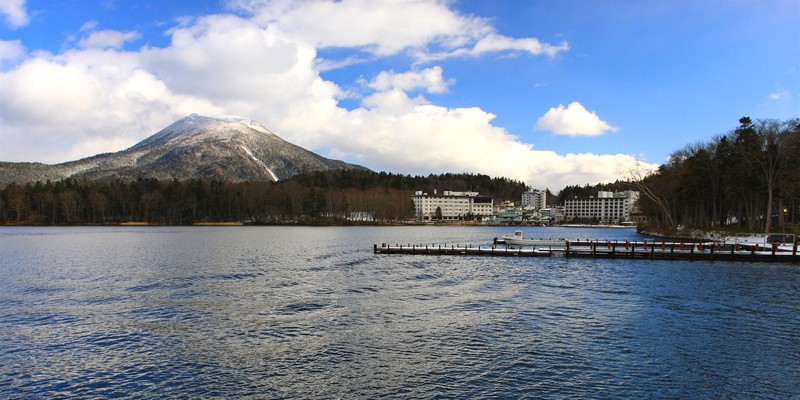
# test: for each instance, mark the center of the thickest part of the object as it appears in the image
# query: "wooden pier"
(650, 250)
(647, 250)
(453, 250)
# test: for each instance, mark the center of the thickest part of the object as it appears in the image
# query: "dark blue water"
(279, 312)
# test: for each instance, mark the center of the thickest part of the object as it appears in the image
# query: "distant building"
(534, 198)
(452, 206)
(552, 215)
(606, 208)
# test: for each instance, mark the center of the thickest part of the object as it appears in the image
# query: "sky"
(552, 93)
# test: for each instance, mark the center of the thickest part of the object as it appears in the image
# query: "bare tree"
(655, 193)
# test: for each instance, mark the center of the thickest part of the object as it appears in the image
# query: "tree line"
(338, 196)
(748, 179)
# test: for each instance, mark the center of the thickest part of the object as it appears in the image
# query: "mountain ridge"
(226, 148)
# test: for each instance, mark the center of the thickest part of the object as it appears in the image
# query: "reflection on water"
(280, 312)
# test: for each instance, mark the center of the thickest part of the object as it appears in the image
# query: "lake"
(311, 312)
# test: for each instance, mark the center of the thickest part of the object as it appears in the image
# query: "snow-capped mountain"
(226, 148)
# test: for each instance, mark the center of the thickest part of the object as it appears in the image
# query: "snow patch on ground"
(761, 239)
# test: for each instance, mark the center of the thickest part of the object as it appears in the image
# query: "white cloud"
(327, 65)
(495, 42)
(108, 39)
(10, 50)
(14, 13)
(381, 28)
(99, 98)
(387, 28)
(88, 26)
(59, 108)
(573, 120)
(407, 135)
(430, 79)
(779, 95)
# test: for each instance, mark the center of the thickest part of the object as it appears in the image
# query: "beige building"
(453, 206)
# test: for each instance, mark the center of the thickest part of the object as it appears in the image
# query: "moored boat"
(519, 240)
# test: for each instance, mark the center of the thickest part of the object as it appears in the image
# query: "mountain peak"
(202, 127)
(194, 117)
(223, 147)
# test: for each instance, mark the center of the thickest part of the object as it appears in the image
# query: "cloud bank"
(263, 63)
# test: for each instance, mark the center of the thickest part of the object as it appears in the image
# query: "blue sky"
(552, 93)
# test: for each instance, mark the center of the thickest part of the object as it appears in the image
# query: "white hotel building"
(453, 205)
(534, 198)
(607, 207)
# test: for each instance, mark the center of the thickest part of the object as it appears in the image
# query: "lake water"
(301, 312)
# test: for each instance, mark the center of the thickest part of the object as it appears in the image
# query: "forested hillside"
(338, 196)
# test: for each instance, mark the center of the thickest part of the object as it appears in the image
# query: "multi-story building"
(606, 208)
(534, 198)
(452, 206)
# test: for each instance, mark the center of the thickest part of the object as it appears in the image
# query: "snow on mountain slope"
(271, 173)
(199, 126)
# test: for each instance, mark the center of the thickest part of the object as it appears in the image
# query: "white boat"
(518, 240)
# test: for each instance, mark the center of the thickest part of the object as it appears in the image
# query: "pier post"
(566, 253)
(374, 249)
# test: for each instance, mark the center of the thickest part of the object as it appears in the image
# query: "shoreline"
(326, 223)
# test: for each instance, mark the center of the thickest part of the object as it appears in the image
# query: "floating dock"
(646, 250)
